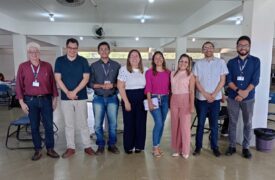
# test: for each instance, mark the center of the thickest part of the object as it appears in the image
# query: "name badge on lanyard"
(241, 77)
(35, 83)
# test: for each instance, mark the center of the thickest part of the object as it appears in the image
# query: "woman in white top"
(131, 83)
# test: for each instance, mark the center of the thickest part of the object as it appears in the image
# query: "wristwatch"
(237, 90)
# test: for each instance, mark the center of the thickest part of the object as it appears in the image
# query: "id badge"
(240, 78)
(107, 82)
(35, 84)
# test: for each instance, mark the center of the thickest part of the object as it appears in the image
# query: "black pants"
(134, 121)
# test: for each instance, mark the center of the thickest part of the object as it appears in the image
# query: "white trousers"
(75, 115)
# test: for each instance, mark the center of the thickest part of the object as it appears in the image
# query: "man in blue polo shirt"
(243, 77)
(72, 75)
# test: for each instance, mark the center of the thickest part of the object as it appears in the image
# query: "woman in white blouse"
(131, 83)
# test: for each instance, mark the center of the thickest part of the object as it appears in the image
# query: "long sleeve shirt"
(26, 77)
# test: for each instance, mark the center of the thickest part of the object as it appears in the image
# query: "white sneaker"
(185, 156)
(175, 154)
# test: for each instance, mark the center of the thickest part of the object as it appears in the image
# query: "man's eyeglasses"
(33, 52)
(72, 48)
(243, 46)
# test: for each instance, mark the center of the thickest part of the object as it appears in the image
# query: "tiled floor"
(16, 164)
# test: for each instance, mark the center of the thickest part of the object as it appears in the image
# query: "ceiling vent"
(71, 3)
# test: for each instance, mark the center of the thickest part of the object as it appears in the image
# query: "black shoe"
(230, 151)
(113, 149)
(100, 150)
(51, 153)
(247, 154)
(197, 152)
(37, 155)
(129, 151)
(138, 150)
(216, 152)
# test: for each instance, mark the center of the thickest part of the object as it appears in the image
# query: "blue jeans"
(101, 106)
(159, 116)
(41, 107)
(210, 110)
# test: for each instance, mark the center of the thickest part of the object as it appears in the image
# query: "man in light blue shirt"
(210, 75)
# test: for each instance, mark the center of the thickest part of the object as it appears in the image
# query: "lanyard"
(35, 73)
(106, 72)
(242, 67)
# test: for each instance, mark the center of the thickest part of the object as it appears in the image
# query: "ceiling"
(107, 11)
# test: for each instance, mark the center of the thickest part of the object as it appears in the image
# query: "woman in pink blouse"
(182, 105)
(157, 87)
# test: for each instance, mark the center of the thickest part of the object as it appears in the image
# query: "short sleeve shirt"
(72, 74)
(133, 80)
(209, 75)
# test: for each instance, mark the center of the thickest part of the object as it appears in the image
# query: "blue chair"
(271, 101)
(5, 94)
(23, 123)
(20, 123)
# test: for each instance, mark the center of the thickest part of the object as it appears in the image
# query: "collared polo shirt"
(209, 75)
(249, 69)
(72, 74)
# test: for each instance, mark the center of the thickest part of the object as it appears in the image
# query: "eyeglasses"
(72, 48)
(207, 48)
(243, 46)
(33, 52)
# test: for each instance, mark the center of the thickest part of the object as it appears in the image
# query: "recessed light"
(151, 1)
(142, 20)
(137, 38)
(81, 38)
(51, 17)
(193, 39)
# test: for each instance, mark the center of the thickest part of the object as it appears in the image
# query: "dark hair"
(140, 65)
(2, 77)
(103, 43)
(72, 40)
(244, 38)
(208, 42)
(188, 70)
(154, 66)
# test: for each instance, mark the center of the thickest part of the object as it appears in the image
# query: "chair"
(222, 115)
(271, 101)
(22, 123)
(5, 94)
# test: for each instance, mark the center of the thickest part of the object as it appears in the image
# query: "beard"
(243, 53)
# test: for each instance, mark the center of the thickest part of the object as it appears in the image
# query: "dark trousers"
(203, 107)
(134, 121)
(41, 107)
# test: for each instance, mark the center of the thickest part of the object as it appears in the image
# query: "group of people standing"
(156, 88)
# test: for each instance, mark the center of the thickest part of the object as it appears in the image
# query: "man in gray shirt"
(103, 79)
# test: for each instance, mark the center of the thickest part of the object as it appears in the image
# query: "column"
(19, 50)
(259, 25)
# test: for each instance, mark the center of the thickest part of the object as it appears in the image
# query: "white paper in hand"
(154, 101)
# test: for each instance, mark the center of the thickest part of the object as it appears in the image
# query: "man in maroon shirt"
(36, 90)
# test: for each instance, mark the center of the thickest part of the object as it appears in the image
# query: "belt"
(38, 96)
(106, 95)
